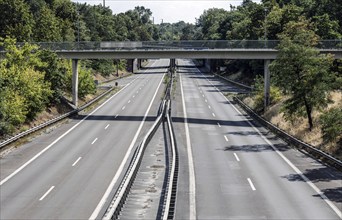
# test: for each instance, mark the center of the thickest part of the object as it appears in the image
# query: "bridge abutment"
(75, 82)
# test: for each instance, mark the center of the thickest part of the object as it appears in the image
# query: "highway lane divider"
(168, 209)
(309, 149)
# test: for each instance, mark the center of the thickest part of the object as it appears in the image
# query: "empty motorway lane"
(237, 170)
(71, 177)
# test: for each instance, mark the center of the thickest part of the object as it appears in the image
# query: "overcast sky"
(168, 10)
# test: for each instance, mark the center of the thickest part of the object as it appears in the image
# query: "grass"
(299, 127)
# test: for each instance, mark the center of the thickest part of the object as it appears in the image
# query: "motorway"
(230, 168)
(238, 170)
(72, 172)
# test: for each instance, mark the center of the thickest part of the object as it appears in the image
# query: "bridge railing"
(169, 45)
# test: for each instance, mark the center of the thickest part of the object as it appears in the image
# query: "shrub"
(331, 123)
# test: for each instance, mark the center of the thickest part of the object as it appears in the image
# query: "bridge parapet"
(171, 45)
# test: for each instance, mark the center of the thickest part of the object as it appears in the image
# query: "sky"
(170, 11)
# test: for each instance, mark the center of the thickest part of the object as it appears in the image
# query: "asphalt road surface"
(238, 170)
(71, 176)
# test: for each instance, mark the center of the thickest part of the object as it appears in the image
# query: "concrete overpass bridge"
(207, 50)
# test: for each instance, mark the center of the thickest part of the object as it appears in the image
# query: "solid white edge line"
(225, 137)
(51, 188)
(236, 156)
(59, 138)
(106, 127)
(251, 184)
(76, 161)
(94, 141)
(313, 186)
(192, 183)
(119, 171)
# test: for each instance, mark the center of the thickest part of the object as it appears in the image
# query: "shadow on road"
(243, 123)
(322, 174)
(255, 148)
(113, 118)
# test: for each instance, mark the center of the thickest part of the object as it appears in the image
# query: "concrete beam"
(267, 84)
(75, 82)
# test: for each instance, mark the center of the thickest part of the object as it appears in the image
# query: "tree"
(326, 28)
(55, 73)
(23, 90)
(210, 22)
(46, 26)
(331, 122)
(301, 71)
(16, 20)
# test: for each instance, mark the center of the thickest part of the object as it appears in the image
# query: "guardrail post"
(267, 84)
(75, 81)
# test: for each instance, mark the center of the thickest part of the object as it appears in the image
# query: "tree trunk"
(308, 112)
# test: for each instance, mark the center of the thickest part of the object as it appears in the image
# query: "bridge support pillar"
(75, 82)
(173, 63)
(139, 64)
(267, 84)
(132, 65)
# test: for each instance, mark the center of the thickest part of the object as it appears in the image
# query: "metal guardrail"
(122, 192)
(235, 83)
(324, 157)
(165, 45)
(52, 121)
(169, 207)
(124, 188)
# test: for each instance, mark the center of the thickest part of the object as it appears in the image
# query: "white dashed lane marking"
(251, 184)
(94, 141)
(51, 188)
(236, 156)
(76, 161)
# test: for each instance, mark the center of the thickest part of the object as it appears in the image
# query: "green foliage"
(301, 72)
(24, 92)
(275, 94)
(47, 26)
(86, 84)
(326, 28)
(331, 122)
(210, 22)
(16, 20)
(55, 73)
(105, 67)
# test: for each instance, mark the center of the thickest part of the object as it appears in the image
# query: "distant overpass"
(234, 49)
